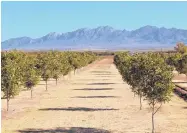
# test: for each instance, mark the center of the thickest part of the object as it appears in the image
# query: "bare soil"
(95, 100)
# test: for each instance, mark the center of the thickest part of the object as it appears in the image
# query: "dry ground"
(95, 100)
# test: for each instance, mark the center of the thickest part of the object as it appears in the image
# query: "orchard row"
(26, 69)
(150, 75)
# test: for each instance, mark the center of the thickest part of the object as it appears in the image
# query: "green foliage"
(145, 72)
(80, 59)
(25, 69)
(158, 80)
(182, 64)
(173, 60)
(55, 65)
(149, 76)
(12, 72)
(181, 48)
(30, 75)
(45, 66)
(65, 64)
(178, 60)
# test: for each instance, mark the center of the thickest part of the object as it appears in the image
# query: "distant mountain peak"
(105, 27)
(54, 34)
(149, 26)
(102, 37)
(82, 29)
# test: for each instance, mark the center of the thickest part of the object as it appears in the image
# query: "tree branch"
(157, 109)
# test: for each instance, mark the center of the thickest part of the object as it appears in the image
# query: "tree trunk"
(74, 71)
(140, 102)
(153, 123)
(56, 81)
(153, 119)
(31, 92)
(46, 85)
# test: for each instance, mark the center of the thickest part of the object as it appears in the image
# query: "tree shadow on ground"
(100, 71)
(45, 83)
(101, 83)
(4, 97)
(97, 89)
(48, 80)
(77, 109)
(90, 79)
(78, 83)
(184, 107)
(64, 130)
(104, 74)
(96, 97)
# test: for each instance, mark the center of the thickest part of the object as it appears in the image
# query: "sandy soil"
(95, 100)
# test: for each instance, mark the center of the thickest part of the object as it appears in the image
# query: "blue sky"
(35, 19)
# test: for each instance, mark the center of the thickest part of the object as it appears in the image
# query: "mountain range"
(103, 37)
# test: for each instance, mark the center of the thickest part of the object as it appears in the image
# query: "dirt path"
(93, 101)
